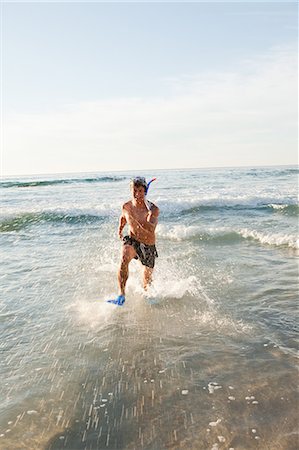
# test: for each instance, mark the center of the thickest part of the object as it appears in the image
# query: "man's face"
(138, 193)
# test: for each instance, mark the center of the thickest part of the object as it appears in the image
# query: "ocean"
(207, 359)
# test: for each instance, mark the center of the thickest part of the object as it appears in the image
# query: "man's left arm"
(152, 217)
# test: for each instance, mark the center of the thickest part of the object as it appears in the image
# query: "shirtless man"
(142, 218)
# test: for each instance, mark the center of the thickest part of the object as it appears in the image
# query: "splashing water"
(199, 360)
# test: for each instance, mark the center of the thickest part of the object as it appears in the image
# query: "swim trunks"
(145, 253)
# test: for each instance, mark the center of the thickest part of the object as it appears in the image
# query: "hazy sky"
(118, 86)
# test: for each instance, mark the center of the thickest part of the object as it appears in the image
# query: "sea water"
(206, 359)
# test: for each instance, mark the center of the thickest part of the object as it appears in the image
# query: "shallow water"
(207, 360)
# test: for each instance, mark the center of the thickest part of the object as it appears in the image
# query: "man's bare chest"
(138, 214)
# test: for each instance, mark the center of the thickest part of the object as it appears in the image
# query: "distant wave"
(272, 172)
(17, 223)
(226, 235)
(37, 183)
(286, 206)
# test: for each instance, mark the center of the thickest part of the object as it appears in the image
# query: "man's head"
(138, 182)
(138, 187)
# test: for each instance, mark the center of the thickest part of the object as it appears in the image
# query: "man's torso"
(137, 221)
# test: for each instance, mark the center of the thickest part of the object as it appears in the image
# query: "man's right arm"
(122, 223)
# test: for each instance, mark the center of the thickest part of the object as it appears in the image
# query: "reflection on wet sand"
(149, 388)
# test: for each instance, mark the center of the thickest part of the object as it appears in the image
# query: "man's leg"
(147, 276)
(128, 253)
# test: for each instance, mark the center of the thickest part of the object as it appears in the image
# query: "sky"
(98, 86)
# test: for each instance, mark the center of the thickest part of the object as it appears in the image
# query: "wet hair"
(138, 182)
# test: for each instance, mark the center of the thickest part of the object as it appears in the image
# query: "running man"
(141, 216)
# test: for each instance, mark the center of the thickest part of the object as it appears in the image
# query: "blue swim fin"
(119, 301)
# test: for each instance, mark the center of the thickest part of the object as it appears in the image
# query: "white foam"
(212, 387)
(214, 424)
(166, 285)
(181, 232)
(169, 285)
(178, 232)
(278, 206)
(93, 313)
(276, 239)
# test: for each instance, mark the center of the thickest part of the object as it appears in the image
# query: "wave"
(38, 183)
(259, 171)
(226, 235)
(290, 210)
(287, 171)
(276, 239)
(17, 223)
(193, 232)
(284, 205)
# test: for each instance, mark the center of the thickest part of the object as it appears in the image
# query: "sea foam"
(275, 239)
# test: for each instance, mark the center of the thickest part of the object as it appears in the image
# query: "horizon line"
(147, 170)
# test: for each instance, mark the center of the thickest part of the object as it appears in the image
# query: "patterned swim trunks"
(145, 253)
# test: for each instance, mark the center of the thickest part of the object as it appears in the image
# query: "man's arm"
(152, 217)
(122, 223)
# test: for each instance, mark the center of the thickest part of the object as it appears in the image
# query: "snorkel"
(148, 185)
(146, 191)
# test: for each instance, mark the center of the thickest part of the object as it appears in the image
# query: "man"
(141, 216)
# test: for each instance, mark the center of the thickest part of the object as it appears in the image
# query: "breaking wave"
(287, 206)
(38, 183)
(226, 235)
